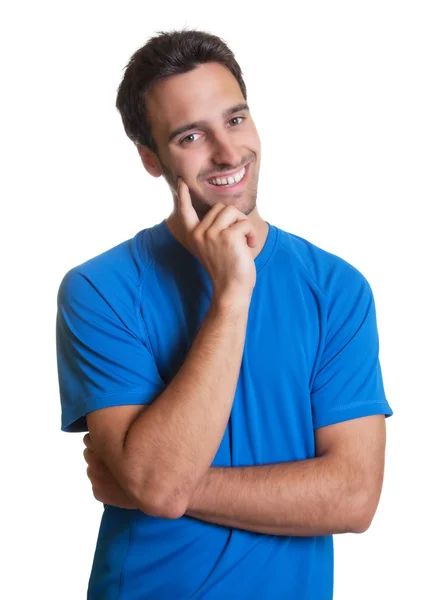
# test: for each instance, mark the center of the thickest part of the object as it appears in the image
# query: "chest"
(271, 417)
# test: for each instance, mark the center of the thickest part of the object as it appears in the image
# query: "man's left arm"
(338, 491)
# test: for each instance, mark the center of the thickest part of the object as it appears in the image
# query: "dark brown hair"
(168, 53)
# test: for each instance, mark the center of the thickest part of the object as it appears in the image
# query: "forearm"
(173, 443)
(311, 497)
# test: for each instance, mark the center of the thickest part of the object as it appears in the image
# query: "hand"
(222, 242)
(104, 487)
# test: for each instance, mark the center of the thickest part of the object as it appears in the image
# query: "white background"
(338, 91)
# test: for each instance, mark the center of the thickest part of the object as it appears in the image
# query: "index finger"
(185, 206)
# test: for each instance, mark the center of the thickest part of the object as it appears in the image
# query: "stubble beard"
(245, 201)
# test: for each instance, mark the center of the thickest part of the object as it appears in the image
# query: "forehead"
(201, 94)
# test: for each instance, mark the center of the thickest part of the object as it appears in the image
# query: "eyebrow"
(199, 124)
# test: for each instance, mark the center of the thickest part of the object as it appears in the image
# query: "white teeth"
(230, 180)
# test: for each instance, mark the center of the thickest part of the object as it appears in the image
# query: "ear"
(150, 161)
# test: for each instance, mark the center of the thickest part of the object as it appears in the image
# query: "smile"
(236, 180)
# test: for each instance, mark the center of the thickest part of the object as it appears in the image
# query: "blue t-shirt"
(126, 321)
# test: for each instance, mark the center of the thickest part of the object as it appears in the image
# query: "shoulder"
(114, 275)
(331, 273)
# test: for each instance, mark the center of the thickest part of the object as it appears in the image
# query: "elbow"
(164, 509)
(359, 526)
(162, 504)
(363, 512)
(154, 494)
(363, 523)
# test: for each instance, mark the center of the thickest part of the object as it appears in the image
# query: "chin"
(245, 205)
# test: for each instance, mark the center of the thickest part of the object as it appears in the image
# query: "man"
(227, 371)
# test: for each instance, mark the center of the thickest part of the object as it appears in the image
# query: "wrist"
(232, 300)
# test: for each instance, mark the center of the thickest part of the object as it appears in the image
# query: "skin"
(336, 492)
(196, 155)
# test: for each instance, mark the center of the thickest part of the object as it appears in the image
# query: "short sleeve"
(348, 383)
(102, 357)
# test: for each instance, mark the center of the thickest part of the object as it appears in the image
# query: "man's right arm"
(170, 446)
(160, 454)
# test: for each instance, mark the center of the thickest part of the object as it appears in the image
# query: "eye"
(183, 141)
(234, 119)
(186, 140)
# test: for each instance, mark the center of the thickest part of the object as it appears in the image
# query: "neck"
(176, 227)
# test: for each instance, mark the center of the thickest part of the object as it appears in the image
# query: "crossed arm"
(159, 455)
(336, 492)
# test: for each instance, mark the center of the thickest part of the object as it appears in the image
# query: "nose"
(224, 150)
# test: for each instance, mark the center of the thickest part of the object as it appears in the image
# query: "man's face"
(222, 144)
